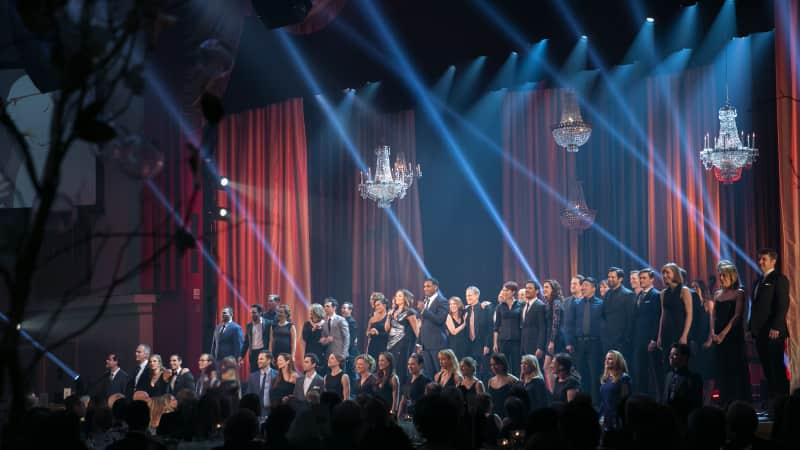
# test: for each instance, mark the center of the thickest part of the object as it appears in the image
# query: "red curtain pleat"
(265, 247)
(787, 61)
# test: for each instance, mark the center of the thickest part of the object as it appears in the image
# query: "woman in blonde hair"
(157, 385)
(532, 379)
(158, 407)
(676, 308)
(450, 373)
(615, 385)
(729, 358)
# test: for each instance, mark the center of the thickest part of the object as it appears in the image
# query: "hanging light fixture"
(572, 132)
(389, 183)
(577, 215)
(731, 151)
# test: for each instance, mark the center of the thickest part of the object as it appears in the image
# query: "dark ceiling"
(438, 33)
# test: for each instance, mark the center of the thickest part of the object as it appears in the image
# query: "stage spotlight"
(650, 20)
(584, 37)
(224, 182)
(222, 213)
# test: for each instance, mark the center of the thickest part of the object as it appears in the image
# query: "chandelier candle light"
(389, 183)
(577, 216)
(572, 132)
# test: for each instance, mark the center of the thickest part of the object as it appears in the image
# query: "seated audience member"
(683, 390)
(742, 423)
(102, 435)
(706, 429)
(138, 418)
(579, 425)
(241, 429)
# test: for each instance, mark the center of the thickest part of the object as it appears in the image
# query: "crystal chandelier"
(572, 132)
(577, 215)
(389, 182)
(729, 155)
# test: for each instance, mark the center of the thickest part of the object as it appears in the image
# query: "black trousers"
(770, 353)
(647, 370)
(589, 359)
(511, 350)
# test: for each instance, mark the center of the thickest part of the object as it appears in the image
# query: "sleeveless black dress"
(458, 342)
(730, 357)
(333, 383)
(377, 343)
(674, 317)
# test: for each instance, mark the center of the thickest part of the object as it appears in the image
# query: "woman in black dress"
(566, 383)
(470, 386)
(532, 378)
(157, 385)
(414, 389)
(312, 333)
(337, 381)
(554, 304)
(701, 328)
(377, 337)
(450, 372)
(457, 333)
(283, 385)
(365, 380)
(386, 384)
(730, 358)
(676, 309)
(283, 334)
(402, 329)
(500, 384)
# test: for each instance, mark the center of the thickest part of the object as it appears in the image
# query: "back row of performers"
(540, 321)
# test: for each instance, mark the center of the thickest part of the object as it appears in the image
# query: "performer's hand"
(658, 343)
(571, 349)
(774, 334)
(418, 348)
(652, 346)
(708, 342)
(683, 340)
(550, 348)
(485, 305)
(485, 349)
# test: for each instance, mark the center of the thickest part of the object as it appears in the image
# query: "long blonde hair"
(533, 362)
(620, 366)
(451, 356)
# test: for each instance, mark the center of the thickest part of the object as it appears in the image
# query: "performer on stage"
(450, 373)
(336, 380)
(507, 324)
(615, 386)
(414, 389)
(533, 322)
(532, 379)
(768, 323)
(500, 384)
(676, 309)
(730, 356)
(402, 328)
(312, 332)
(387, 385)
(554, 316)
(432, 337)
(283, 335)
(648, 365)
(457, 333)
(377, 337)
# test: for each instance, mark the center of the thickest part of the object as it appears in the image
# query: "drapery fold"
(265, 248)
(787, 59)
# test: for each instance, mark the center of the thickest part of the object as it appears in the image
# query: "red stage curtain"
(646, 217)
(381, 259)
(532, 214)
(263, 152)
(356, 248)
(787, 60)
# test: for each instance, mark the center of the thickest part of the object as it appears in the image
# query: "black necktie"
(639, 298)
(329, 326)
(222, 330)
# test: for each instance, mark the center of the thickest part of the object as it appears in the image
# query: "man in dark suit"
(256, 336)
(479, 329)
(261, 379)
(141, 375)
(683, 390)
(768, 323)
(227, 339)
(584, 332)
(271, 308)
(116, 379)
(533, 323)
(619, 304)
(180, 377)
(432, 337)
(507, 329)
(647, 369)
(310, 379)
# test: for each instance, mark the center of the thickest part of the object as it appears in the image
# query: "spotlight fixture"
(650, 19)
(224, 182)
(584, 37)
(222, 213)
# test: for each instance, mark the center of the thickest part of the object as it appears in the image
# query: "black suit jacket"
(618, 310)
(533, 328)
(118, 385)
(265, 327)
(142, 385)
(353, 326)
(770, 304)
(646, 316)
(484, 328)
(431, 333)
(182, 381)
